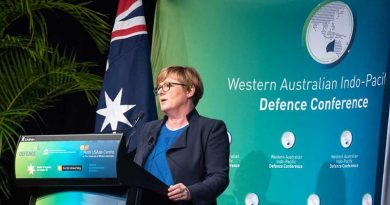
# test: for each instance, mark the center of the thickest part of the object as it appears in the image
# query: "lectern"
(83, 169)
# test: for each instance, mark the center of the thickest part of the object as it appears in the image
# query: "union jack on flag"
(127, 91)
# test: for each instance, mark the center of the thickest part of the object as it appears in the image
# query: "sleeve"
(216, 156)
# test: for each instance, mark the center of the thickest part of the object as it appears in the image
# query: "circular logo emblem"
(367, 199)
(328, 31)
(251, 199)
(288, 140)
(346, 138)
(313, 199)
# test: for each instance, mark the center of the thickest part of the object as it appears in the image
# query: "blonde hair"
(186, 75)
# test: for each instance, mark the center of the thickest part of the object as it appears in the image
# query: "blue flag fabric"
(127, 92)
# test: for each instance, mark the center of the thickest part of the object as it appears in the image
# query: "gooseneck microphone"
(132, 127)
(137, 119)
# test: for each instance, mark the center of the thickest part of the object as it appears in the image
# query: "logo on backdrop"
(313, 199)
(367, 199)
(288, 139)
(328, 32)
(251, 199)
(346, 138)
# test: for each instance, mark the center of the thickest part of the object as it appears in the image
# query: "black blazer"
(199, 158)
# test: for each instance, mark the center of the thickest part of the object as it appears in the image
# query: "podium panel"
(83, 169)
(80, 197)
(67, 160)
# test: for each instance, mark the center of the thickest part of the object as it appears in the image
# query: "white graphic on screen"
(31, 169)
(313, 199)
(251, 199)
(367, 199)
(346, 138)
(329, 32)
(45, 151)
(288, 139)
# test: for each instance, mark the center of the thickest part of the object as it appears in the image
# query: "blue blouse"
(157, 163)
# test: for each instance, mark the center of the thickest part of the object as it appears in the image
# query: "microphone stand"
(133, 129)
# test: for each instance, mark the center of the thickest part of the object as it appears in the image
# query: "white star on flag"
(114, 112)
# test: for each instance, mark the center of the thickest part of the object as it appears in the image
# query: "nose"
(160, 92)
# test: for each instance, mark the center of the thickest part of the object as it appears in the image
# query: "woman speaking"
(188, 152)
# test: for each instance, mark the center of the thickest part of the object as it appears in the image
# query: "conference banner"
(67, 156)
(300, 86)
(47, 160)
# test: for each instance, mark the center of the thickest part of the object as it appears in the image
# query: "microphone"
(132, 127)
(137, 119)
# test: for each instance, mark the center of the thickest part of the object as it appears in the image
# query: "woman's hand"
(179, 192)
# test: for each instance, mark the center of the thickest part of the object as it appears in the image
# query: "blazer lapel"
(151, 140)
(181, 141)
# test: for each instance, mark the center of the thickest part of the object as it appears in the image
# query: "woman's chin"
(163, 108)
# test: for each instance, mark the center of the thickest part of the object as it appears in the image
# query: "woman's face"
(176, 99)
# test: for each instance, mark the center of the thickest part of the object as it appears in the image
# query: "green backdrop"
(300, 85)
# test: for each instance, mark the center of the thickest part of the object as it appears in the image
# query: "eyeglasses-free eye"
(166, 87)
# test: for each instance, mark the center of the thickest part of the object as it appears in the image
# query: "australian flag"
(126, 99)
